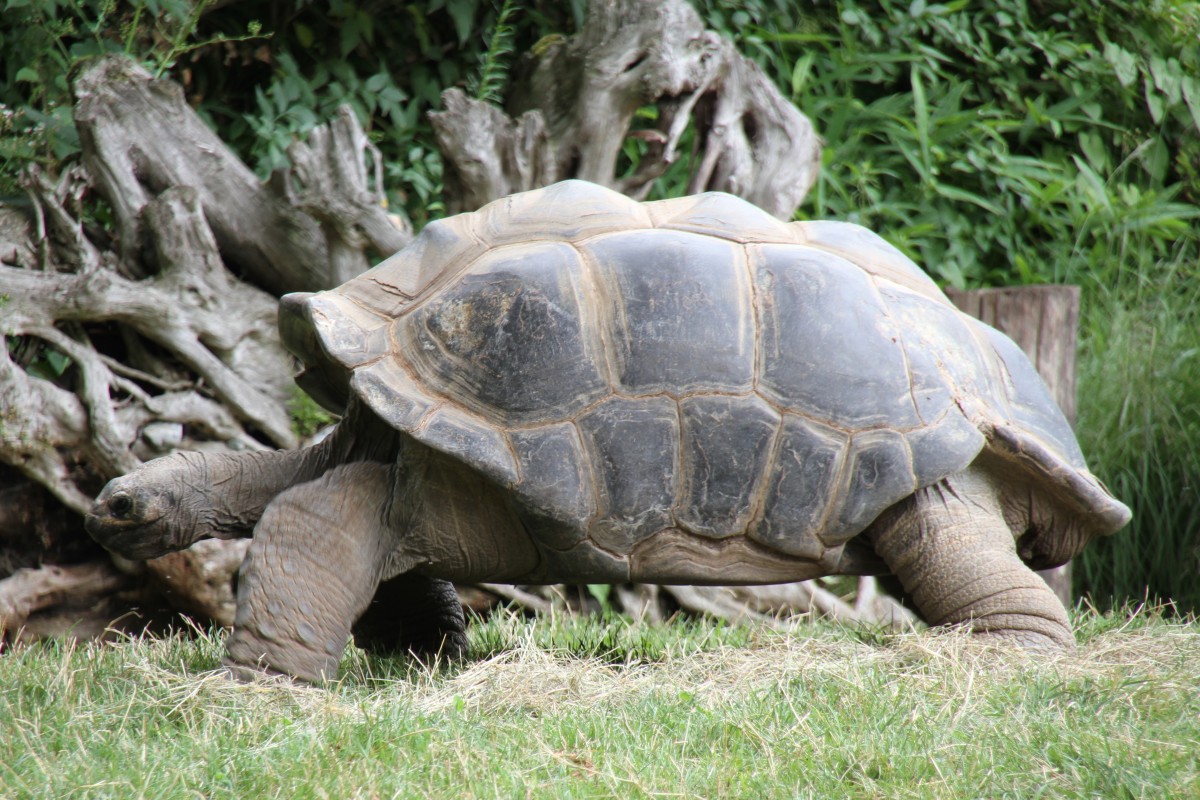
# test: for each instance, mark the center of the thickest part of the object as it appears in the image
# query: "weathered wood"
(198, 581)
(488, 154)
(162, 346)
(573, 105)
(1044, 322)
(140, 137)
(329, 180)
(27, 591)
(789, 599)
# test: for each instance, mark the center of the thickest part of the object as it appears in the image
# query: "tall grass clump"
(1139, 417)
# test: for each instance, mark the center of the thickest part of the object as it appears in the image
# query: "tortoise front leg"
(955, 555)
(416, 614)
(313, 567)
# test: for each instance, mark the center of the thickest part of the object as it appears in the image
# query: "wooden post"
(1044, 322)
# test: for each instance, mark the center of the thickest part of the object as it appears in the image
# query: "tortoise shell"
(654, 378)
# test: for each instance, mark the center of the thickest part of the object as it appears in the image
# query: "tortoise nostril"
(120, 504)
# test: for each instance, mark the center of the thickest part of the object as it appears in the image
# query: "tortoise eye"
(120, 504)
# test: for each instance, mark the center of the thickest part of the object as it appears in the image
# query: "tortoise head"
(154, 510)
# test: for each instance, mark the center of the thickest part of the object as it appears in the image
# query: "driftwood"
(573, 110)
(157, 345)
(140, 138)
(167, 350)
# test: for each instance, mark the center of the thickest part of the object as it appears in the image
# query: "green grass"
(605, 708)
(1139, 424)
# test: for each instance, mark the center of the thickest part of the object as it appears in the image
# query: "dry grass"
(605, 709)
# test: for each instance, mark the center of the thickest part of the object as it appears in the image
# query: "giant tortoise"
(571, 386)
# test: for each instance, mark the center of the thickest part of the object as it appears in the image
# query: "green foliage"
(307, 416)
(44, 40)
(996, 142)
(391, 69)
(493, 68)
(263, 91)
(38, 358)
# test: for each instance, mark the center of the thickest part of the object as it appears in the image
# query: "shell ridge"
(750, 253)
(684, 478)
(758, 500)
(597, 300)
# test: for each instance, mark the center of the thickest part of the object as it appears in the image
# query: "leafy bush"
(1000, 142)
(263, 75)
(43, 40)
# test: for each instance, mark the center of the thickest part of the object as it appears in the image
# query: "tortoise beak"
(125, 521)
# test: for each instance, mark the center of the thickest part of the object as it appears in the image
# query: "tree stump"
(1044, 322)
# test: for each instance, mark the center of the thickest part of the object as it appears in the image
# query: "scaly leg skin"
(954, 554)
(313, 567)
(414, 614)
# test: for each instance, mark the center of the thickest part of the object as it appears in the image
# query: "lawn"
(602, 707)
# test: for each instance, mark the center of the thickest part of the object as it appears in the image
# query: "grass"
(1139, 424)
(606, 708)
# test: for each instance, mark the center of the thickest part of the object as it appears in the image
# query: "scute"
(392, 394)
(674, 556)
(677, 311)
(556, 480)
(1030, 403)
(829, 348)
(442, 248)
(808, 464)
(566, 212)
(455, 433)
(633, 446)
(508, 339)
(870, 251)
(944, 447)
(945, 360)
(585, 558)
(722, 215)
(726, 452)
(879, 473)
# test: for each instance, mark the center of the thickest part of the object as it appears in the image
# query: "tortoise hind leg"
(955, 555)
(416, 614)
(313, 567)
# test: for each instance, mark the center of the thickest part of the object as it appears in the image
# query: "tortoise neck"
(244, 484)
(239, 486)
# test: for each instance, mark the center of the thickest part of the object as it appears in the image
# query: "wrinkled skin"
(169, 503)
(172, 502)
